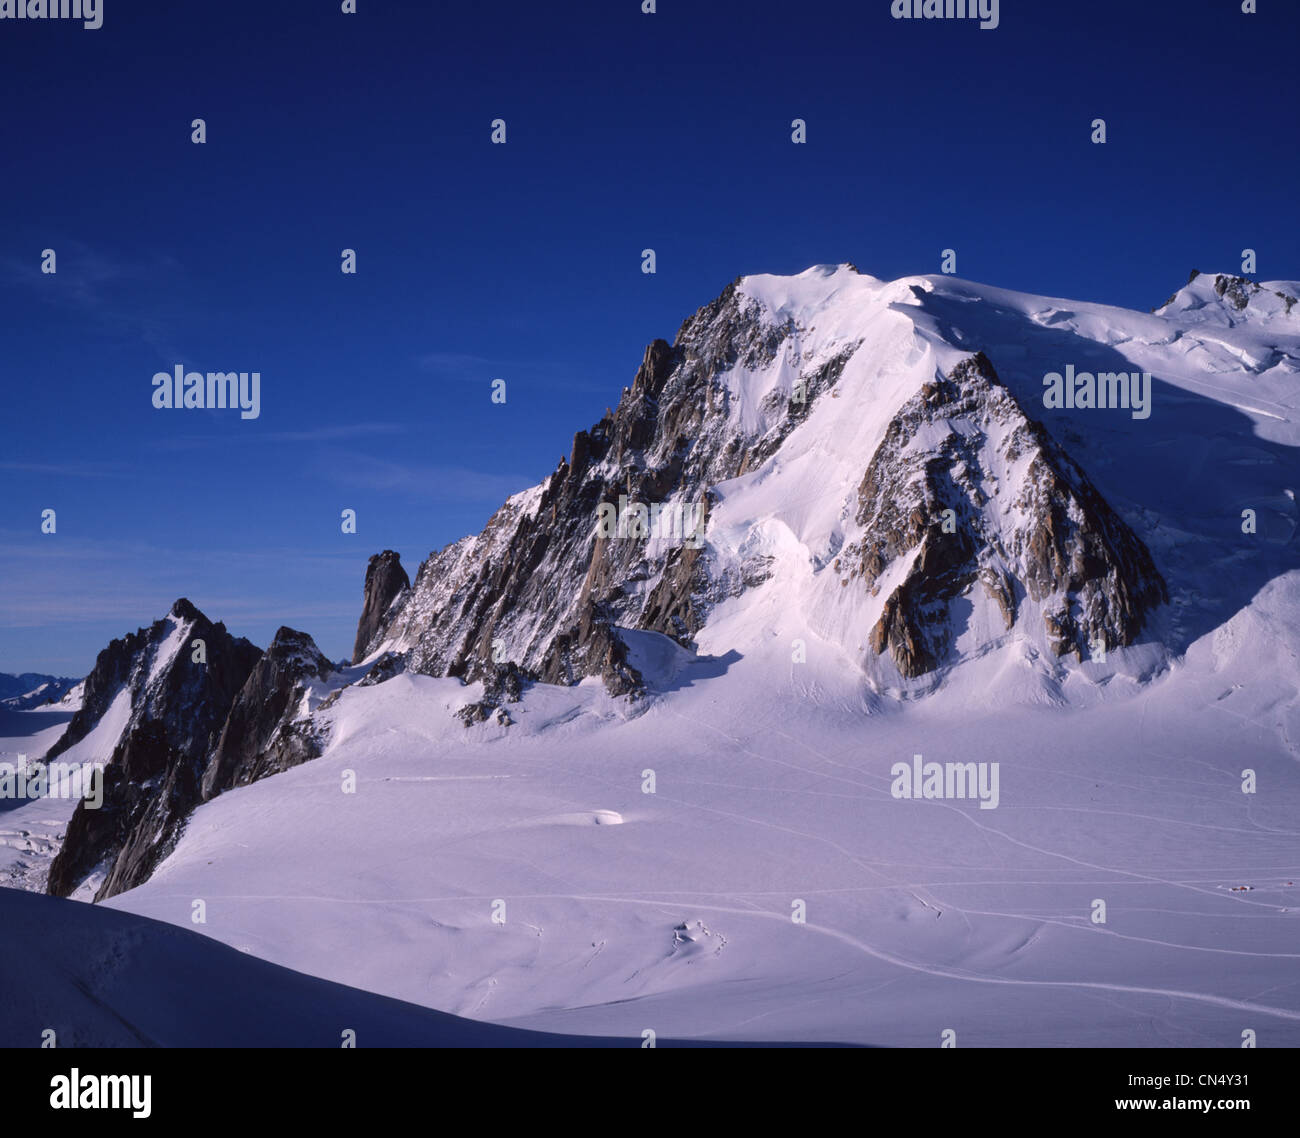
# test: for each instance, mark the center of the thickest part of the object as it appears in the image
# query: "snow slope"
(104, 979)
(773, 786)
(30, 831)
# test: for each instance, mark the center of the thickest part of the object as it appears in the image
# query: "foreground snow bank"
(99, 978)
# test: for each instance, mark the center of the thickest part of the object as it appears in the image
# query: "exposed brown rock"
(1068, 549)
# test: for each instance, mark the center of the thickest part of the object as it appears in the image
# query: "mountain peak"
(184, 610)
(385, 581)
(149, 711)
(966, 489)
(735, 452)
(1230, 299)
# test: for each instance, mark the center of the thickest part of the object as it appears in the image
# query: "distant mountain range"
(31, 689)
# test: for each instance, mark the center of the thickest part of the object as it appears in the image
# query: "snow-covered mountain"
(878, 458)
(32, 689)
(836, 523)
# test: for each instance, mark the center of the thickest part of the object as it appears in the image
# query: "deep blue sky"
(522, 261)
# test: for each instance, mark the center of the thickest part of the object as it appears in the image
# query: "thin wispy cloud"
(67, 580)
(106, 288)
(468, 367)
(432, 482)
(330, 434)
(70, 469)
(460, 365)
(323, 434)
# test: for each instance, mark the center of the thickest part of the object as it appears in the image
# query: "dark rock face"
(196, 728)
(1060, 544)
(1239, 292)
(255, 740)
(153, 776)
(504, 685)
(542, 587)
(1235, 290)
(385, 579)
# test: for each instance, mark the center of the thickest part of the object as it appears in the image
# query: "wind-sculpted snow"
(1227, 300)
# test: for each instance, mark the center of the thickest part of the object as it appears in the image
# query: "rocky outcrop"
(1239, 292)
(504, 685)
(965, 489)
(202, 719)
(387, 666)
(261, 736)
(1234, 290)
(385, 580)
(178, 694)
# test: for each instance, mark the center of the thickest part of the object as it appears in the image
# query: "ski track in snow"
(878, 954)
